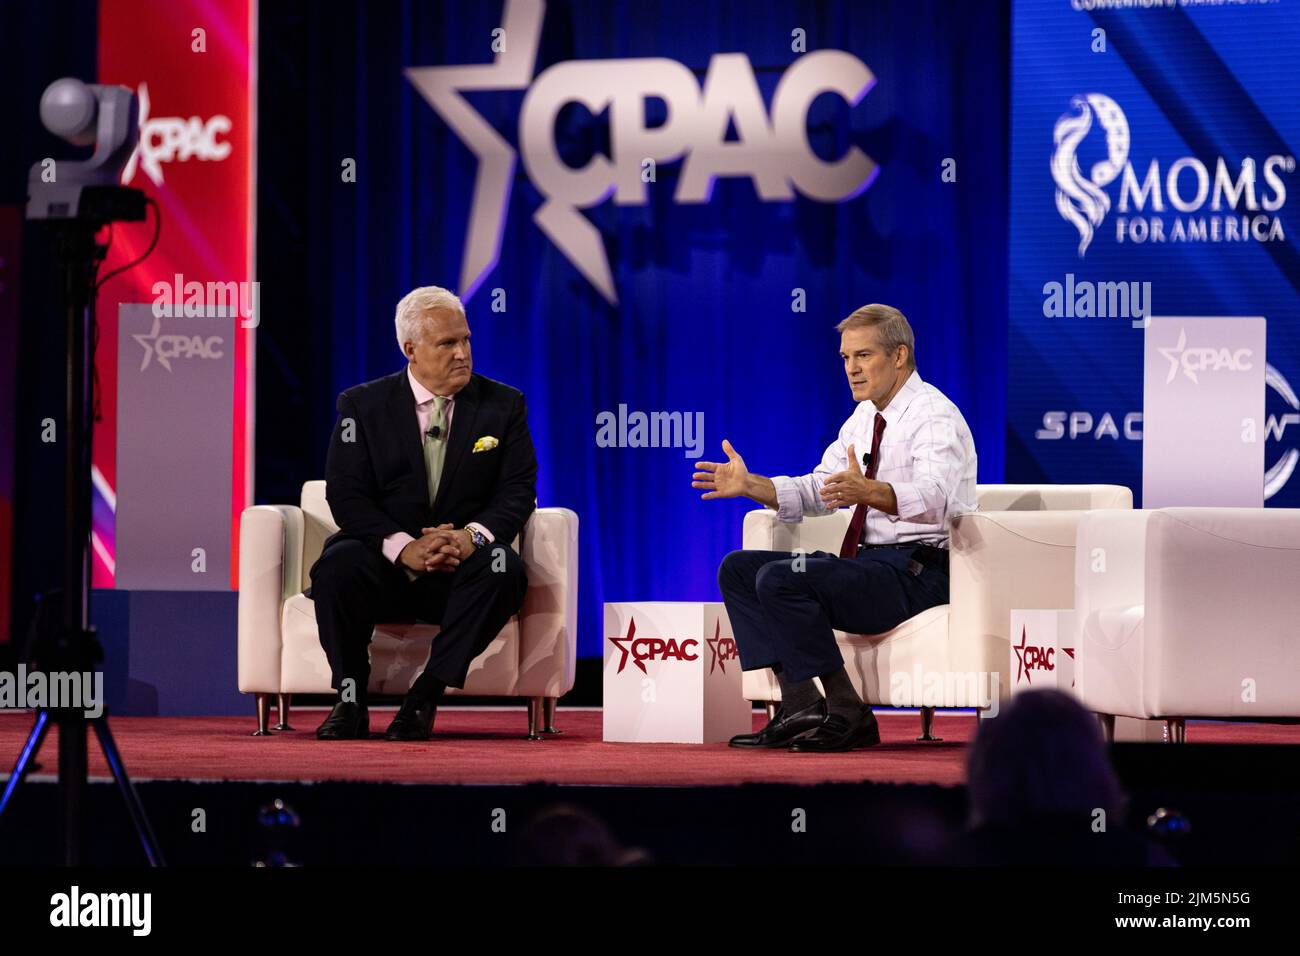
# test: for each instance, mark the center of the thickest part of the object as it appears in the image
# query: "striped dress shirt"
(926, 453)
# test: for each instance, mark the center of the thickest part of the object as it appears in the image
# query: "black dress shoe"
(783, 728)
(414, 720)
(347, 721)
(838, 733)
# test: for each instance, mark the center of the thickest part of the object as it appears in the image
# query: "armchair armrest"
(763, 532)
(1110, 561)
(270, 571)
(1221, 605)
(548, 620)
(1001, 560)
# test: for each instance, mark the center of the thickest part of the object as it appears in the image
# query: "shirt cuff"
(789, 504)
(482, 529)
(910, 503)
(393, 545)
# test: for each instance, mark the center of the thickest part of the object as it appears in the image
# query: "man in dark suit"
(430, 475)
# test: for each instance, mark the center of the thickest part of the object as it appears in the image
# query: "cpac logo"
(172, 139)
(1032, 657)
(168, 347)
(643, 649)
(772, 150)
(721, 649)
(1238, 214)
(1192, 361)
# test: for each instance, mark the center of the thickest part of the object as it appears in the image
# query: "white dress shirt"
(926, 453)
(395, 542)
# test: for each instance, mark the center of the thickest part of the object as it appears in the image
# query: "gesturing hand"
(725, 480)
(848, 487)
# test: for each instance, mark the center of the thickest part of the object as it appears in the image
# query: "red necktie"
(850, 545)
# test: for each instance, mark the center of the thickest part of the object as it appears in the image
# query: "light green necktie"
(435, 449)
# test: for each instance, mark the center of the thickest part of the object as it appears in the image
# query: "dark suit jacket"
(376, 484)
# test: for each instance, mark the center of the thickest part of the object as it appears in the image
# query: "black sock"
(841, 698)
(427, 687)
(797, 695)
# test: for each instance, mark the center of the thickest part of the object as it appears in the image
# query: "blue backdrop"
(704, 322)
(1194, 87)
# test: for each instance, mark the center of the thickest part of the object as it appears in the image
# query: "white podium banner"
(672, 674)
(1203, 429)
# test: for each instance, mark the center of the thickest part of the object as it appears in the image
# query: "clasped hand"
(441, 548)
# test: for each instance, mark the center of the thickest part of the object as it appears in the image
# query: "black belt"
(925, 555)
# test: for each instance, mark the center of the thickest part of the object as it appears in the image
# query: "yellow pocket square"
(486, 443)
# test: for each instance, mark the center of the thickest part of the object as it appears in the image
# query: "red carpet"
(488, 747)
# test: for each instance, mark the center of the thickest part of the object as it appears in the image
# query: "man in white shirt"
(905, 462)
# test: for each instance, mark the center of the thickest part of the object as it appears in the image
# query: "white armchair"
(279, 647)
(1188, 612)
(1016, 551)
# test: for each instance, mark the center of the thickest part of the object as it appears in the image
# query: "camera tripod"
(68, 643)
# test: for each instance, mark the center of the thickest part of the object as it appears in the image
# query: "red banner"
(192, 64)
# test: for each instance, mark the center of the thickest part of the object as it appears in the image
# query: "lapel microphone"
(434, 432)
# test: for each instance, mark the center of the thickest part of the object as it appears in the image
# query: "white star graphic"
(1175, 358)
(442, 87)
(149, 342)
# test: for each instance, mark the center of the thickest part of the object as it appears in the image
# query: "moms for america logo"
(1181, 199)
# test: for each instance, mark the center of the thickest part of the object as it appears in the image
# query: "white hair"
(419, 303)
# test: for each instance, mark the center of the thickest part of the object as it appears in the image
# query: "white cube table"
(672, 674)
(1043, 654)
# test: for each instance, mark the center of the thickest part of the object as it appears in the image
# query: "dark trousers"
(785, 615)
(355, 587)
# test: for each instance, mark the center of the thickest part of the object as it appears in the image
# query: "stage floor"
(487, 746)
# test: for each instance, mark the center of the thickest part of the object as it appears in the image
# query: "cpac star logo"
(1192, 361)
(1032, 657)
(624, 645)
(772, 150)
(721, 649)
(172, 139)
(168, 347)
(642, 649)
(1020, 655)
